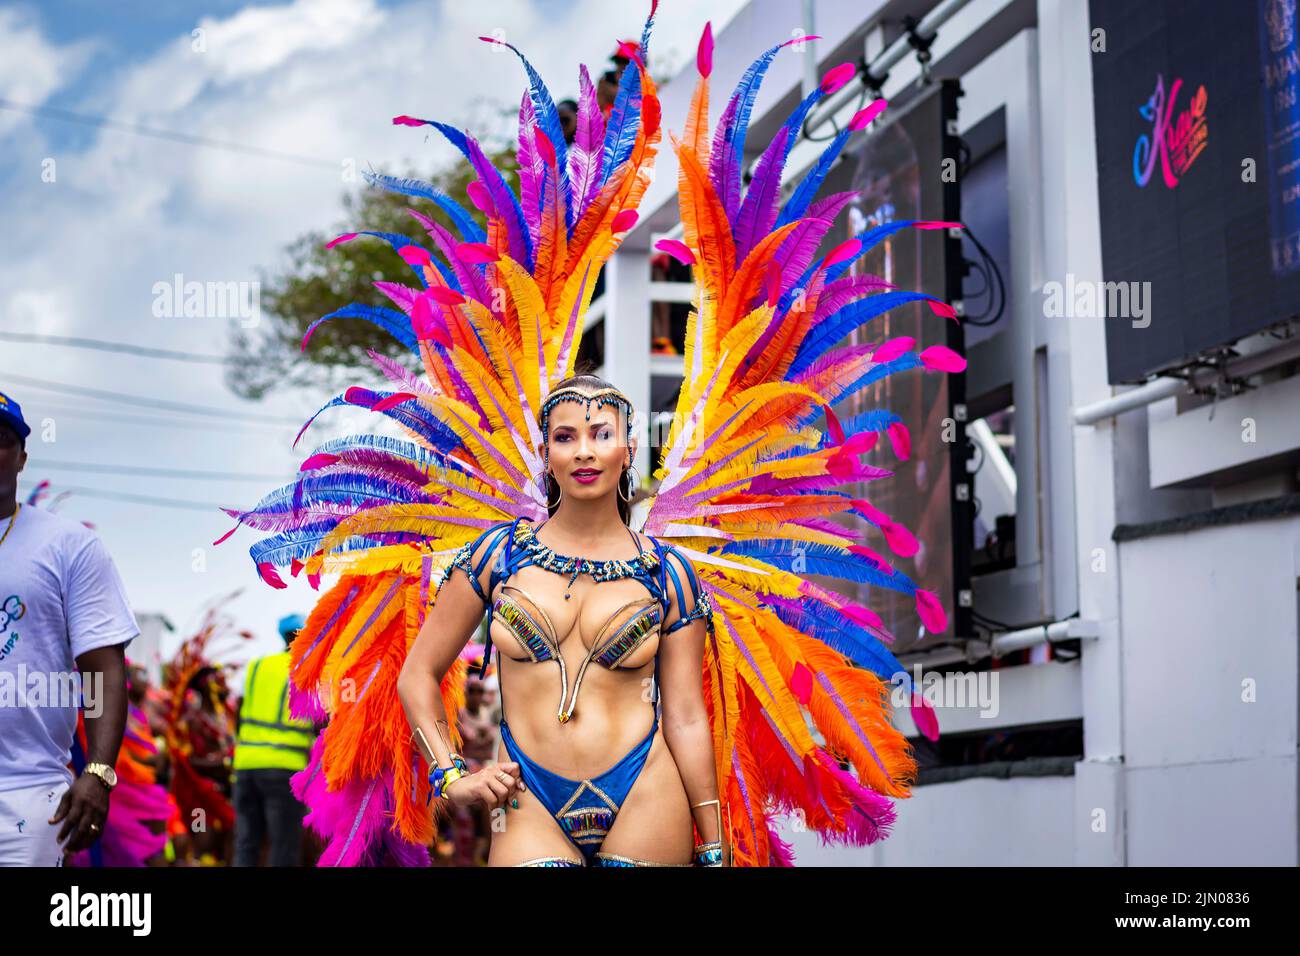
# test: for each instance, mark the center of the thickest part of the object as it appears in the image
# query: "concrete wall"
(1210, 667)
(1023, 821)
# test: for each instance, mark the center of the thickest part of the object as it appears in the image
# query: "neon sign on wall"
(1175, 143)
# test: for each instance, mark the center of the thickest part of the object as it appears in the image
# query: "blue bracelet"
(708, 854)
(437, 774)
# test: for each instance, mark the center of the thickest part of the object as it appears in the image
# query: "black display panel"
(1197, 111)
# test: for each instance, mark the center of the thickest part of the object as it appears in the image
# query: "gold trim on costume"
(543, 860)
(634, 862)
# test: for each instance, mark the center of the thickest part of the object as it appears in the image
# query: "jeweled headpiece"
(587, 396)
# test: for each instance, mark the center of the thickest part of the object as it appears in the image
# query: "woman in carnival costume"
(200, 742)
(510, 492)
(138, 812)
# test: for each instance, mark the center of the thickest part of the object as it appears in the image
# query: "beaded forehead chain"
(573, 393)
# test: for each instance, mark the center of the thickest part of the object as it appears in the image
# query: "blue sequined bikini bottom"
(584, 809)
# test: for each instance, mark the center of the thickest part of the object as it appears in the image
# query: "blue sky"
(96, 217)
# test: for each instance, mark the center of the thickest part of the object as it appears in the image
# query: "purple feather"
(472, 281)
(758, 211)
(588, 148)
(531, 168)
(729, 136)
(830, 207)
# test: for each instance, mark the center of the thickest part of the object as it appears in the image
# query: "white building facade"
(1156, 534)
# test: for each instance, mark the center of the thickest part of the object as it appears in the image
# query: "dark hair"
(570, 104)
(584, 379)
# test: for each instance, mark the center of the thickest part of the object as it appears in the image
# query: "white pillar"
(627, 339)
(1072, 236)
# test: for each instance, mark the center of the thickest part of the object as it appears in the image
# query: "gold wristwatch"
(106, 774)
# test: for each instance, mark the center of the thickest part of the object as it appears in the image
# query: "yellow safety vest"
(269, 738)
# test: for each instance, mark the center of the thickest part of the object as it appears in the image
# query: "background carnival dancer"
(134, 833)
(200, 738)
(271, 745)
(465, 837)
(65, 621)
(749, 499)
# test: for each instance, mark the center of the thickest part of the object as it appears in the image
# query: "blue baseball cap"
(11, 414)
(291, 622)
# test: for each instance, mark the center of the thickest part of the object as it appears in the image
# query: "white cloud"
(31, 68)
(313, 78)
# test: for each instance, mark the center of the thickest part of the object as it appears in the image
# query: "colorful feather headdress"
(796, 674)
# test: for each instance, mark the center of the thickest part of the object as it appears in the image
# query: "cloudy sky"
(142, 140)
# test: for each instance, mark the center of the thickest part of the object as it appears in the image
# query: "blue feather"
(835, 327)
(876, 420)
(395, 323)
(470, 230)
(730, 137)
(624, 122)
(843, 635)
(806, 191)
(869, 237)
(548, 119)
(822, 559)
(521, 239)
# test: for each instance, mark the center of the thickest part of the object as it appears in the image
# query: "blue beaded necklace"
(612, 569)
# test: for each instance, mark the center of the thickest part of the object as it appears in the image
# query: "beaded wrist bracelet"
(708, 854)
(440, 777)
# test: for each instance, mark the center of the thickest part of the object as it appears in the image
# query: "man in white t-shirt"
(64, 625)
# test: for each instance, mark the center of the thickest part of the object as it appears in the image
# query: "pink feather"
(415, 255)
(942, 359)
(888, 351)
(267, 571)
(704, 54)
(480, 197)
(319, 460)
(924, 717)
(864, 116)
(677, 249)
(801, 683)
(476, 253)
(930, 611)
(942, 309)
(901, 439)
(845, 250)
(837, 77)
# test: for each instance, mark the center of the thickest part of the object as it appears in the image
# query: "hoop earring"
(630, 485)
(546, 486)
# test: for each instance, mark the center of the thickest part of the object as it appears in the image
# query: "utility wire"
(103, 414)
(152, 403)
(138, 499)
(159, 472)
(188, 139)
(82, 343)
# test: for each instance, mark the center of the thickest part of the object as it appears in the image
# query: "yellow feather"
(534, 325)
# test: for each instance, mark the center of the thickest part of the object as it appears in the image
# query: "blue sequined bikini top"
(539, 639)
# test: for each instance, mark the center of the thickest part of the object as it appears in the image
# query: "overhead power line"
(145, 402)
(83, 343)
(105, 414)
(138, 499)
(187, 139)
(158, 472)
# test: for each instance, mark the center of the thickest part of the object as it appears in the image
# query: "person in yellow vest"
(271, 747)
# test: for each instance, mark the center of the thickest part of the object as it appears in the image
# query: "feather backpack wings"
(494, 317)
(794, 672)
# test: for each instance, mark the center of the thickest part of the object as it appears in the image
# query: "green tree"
(319, 281)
